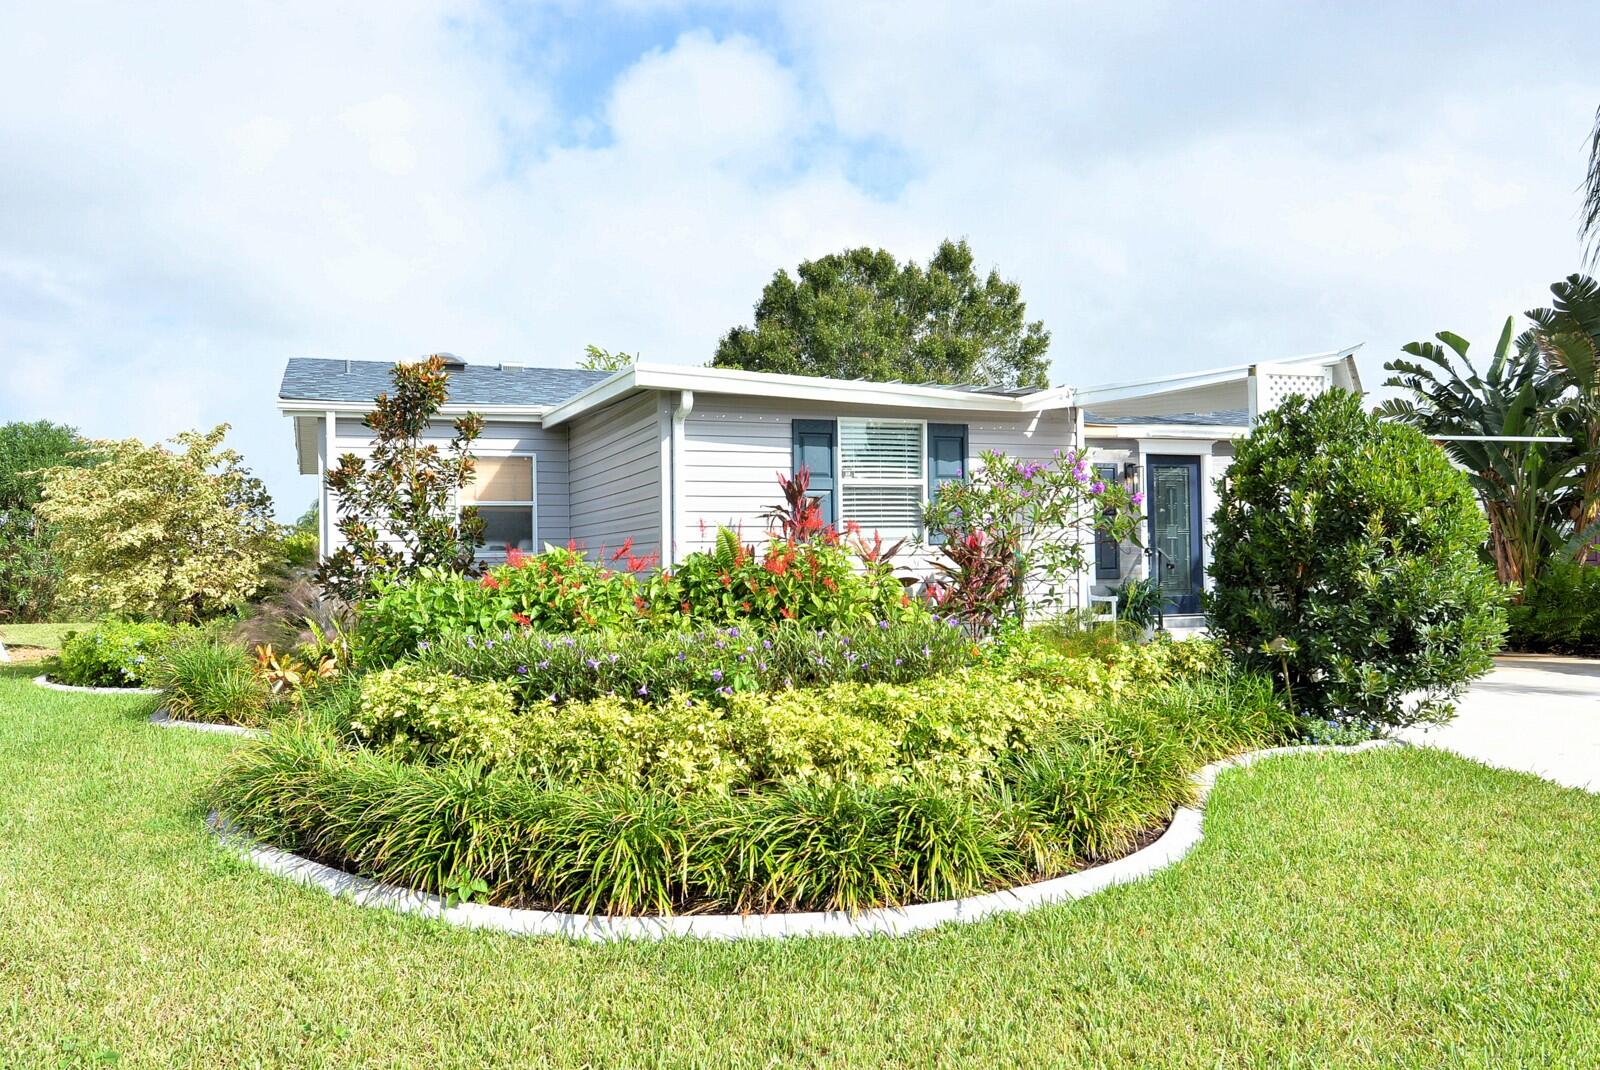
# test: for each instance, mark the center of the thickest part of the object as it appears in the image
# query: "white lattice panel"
(1273, 387)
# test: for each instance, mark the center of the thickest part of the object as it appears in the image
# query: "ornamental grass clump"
(872, 795)
(204, 678)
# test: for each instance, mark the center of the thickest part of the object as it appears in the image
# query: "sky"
(191, 194)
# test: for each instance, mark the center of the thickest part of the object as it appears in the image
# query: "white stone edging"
(164, 719)
(1180, 837)
(45, 681)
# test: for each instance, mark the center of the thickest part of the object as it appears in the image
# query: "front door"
(1174, 515)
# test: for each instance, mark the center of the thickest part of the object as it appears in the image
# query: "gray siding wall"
(734, 447)
(548, 445)
(615, 481)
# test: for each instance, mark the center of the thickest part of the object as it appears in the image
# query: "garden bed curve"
(164, 719)
(1182, 834)
(45, 681)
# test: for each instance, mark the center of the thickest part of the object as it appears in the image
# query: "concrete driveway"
(1537, 714)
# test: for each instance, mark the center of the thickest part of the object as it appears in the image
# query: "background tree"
(1567, 334)
(149, 532)
(860, 314)
(1589, 228)
(396, 508)
(30, 575)
(1521, 484)
(1344, 555)
(595, 359)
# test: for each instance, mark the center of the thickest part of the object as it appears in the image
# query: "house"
(657, 456)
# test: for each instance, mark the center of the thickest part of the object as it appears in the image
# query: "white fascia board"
(672, 377)
(297, 406)
(1217, 432)
(1089, 396)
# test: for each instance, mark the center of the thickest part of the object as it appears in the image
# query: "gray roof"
(1221, 418)
(315, 379)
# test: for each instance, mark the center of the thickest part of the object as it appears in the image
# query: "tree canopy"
(861, 314)
(149, 532)
(29, 573)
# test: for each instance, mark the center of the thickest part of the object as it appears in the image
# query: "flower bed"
(847, 796)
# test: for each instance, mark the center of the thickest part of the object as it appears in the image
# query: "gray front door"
(1173, 509)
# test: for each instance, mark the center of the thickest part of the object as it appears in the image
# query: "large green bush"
(413, 713)
(847, 798)
(1345, 557)
(112, 654)
(1559, 612)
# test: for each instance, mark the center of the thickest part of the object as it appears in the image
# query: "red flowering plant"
(1014, 526)
(813, 582)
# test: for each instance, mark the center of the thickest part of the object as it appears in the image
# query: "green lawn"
(1398, 908)
(48, 636)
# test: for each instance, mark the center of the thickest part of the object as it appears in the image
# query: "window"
(1107, 554)
(882, 476)
(502, 489)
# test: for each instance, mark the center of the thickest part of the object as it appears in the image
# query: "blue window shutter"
(816, 446)
(947, 460)
(1107, 554)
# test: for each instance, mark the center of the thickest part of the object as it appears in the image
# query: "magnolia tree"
(396, 507)
(1013, 526)
(177, 534)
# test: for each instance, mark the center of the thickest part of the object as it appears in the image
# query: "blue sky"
(193, 194)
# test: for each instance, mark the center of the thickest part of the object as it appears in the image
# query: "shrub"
(397, 510)
(111, 654)
(1087, 786)
(1139, 602)
(557, 590)
(168, 534)
(1014, 525)
(1560, 611)
(707, 663)
(1345, 555)
(204, 678)
(812, 582)
(414, 713)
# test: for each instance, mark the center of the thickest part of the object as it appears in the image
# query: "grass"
(1398, 908)
(43, 636)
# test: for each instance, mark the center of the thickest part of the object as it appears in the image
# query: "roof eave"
(799, 388)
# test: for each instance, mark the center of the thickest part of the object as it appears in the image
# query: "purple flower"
(741, 658)
(720, 645)
(1138, 498)
(725, 691)
(733, 633)
(544, 664)
(424, 645)
(766, 644)
(716, 676)
(643, 691)
(570, 641)
(899, 661)
(681, 655)
(615, 658)
(593, 663)
(884, 625)
(522, 670)
(761, 665)
(1097, 487)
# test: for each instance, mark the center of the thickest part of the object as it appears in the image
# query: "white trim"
(1182, 836)
(325, 526)
(1173, 432)
(293, 406)
(799, 388)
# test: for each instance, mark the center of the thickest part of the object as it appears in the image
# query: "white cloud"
(204, 193)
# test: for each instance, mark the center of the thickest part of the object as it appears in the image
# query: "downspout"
(325, 526)
(680, 414)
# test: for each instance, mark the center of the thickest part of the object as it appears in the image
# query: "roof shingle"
(316, 379)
